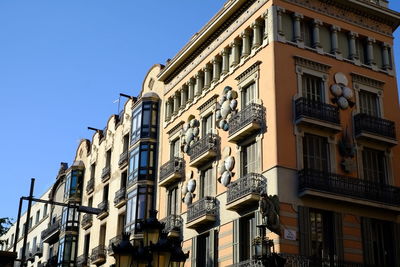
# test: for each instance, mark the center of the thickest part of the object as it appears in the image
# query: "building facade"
(286, 97)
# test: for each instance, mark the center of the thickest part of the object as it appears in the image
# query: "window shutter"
(304, 231)
(194, 252)
(367, 240)
(236, 241)
(338, 235)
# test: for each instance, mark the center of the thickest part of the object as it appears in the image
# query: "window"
(374, 166)
(368, 103)
(102, 237)
(144, 121)
(248, 94)
(139, 202)
(90, 202)
(207, 124)
(136, 124)
(92, 171)
(307, 30)
(247, 232)
(131, 211)
(108, 158)
(175, 148)
(249, 158)
(73, 184)
(142, 163)
(312, 87)
(45, 210)
(315, 152)
(34, 244)
(37, 217)
(133, 165)
(69, 219)
(124, 177)
(86, 245)
(126, 142)
(205, 247)
(380, 242)
(206, 183)
(30, 223)
(173, 201)
(105, 192)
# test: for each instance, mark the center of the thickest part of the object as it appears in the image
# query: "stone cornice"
(176, 128)
(355, 13)
(249, 71)
(358, 78)
(310, 64)
(211, 101)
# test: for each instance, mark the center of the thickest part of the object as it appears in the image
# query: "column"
(207, 76)
(334, 39)
(190, 84)
(199, 83)
(183, 98)
(246, 46)
(235, 52)
(385, 56)
(279, 24)
(265, 17)
(297, 27)
(352, 45)
(370, 51)
(176, 104)
(257, 38)
(316, 38)
(216, 69)
(225, 60)
(167, 111)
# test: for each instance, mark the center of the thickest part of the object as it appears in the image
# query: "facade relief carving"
(226, 107)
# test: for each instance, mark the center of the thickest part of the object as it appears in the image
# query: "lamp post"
(155, 249)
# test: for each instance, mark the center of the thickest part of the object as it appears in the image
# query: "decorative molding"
(358, 78)
(176, 128)
(349, 14)
(310, 64)
(245, 74)
(213, 42)
(211, 101)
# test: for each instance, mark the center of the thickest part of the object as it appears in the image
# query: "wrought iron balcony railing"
(123, 158)
(115, 240)
(120, 196)
(105, 174)
(293, 260)
(175, 165)
(38, 249)
(90, 186)
(87, 220)
(348, 186)
(366, 123)
(203, 207)
(317, 110)
(252, 113)
(172, 222)
(98, 255)
(200, 147)
(252, 183)
(248, 263)
(82, 260)
(54, 227)
(103, 206)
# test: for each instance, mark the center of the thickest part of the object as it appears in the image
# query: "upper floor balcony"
(123, 159)
(245, 191)
(120, 198)
(317, 114)
(374, 128)
(245, 122)
(90, 186)
(204, 150)
(172, 171)
(173, 225)
(105, 174)
(82, 261)
(203, 211)
(38, 250)
(349, 189)
(51, 233)
(248, 263)
(87, 221)
(99, 255)
(103, 206)
(115, 240)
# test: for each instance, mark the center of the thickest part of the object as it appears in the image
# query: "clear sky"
(63, 63)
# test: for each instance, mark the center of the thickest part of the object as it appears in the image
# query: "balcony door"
(315, 152)
(206, 183)
(368, 103)
(173, 201)
(312, 88)
(249, 159)
(374, 166)
(248, 94)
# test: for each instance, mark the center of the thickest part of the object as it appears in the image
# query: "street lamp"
(124, 251)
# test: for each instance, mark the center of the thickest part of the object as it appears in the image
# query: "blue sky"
(63, 63)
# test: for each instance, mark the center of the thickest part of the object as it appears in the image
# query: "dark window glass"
(247, 232)
(312, 87)
(207, 124)
(315, 152)
(374, 166)
(248, 94)
(322, 234)
(133, 165)
(369, 103)
(173, 202)
(136, 124)
(131, 211)
(249, 158)
(206, 183)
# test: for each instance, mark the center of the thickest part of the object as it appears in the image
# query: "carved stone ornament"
(188, 190)
(225, 168)
(347, 150)
(343, 95)
(226, 107)
(190, 134)
(269, 209)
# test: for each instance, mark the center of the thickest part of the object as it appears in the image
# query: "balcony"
(105, 174)
(246, 121)
(51, 233)
(204, 150)
(245, 191)
(115, 240)
(120, 198)
(82, 261)
(87, 221)
(202, 212)
(313, 113)
(344, 188)
(104, 209)
(172, 171)
(375, 129)
(98, 255)
(90, 186)
(293, 260)
(173, 225)
(38, 250)
(123, 159)
(248, 263)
